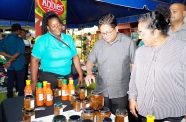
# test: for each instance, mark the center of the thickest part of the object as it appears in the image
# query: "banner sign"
(43, 6)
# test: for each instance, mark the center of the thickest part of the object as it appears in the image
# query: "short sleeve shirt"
(180, 34)
(113, 62)
(11, 45)
(55, 56)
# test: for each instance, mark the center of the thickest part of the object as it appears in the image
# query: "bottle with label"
(64, 89)
(29, 102)
(71, 88)
(150, 118)
(39, 95)
(49, 95)
(44, 90)
(28, 88)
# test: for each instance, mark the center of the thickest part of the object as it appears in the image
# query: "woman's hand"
(80, 80)
(133, 107)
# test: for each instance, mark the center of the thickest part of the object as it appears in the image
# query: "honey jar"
(121, 115)
(29, 102)
(58, 108)
(28, 116)
(77, 105)
(88, 113)
(103, 113)
(82, 93)
(59, 82)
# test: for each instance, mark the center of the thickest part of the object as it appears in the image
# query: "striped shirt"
(158, 80)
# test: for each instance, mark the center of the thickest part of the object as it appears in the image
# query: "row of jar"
(87, 114)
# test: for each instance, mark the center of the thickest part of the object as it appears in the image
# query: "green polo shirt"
(54, 56)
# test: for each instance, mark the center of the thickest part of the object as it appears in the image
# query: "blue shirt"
(54, 56)
(11, 45)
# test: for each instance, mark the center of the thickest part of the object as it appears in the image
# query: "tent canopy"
(80, 12)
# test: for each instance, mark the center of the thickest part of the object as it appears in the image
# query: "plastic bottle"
(71, 88)
(44, 90)
(64, 90)
(28, 88)
(150, 118)
(49, 95)
(39, 95)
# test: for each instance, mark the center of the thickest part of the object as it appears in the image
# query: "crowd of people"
(148, 80)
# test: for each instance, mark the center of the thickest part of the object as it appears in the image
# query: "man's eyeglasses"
(107, 33)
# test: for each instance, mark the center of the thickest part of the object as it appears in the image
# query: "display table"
(12, 109)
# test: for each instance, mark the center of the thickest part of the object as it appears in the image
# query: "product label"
(72, 91)
(64, 93)
(126, 119)
(61, 111)
(32, 117)
(59, 92)
(32, 104)
(41, 97)
(49, 97)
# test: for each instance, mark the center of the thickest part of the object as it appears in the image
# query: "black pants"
(51, 78)
(116, 103)
(15, 77)
(170, 119)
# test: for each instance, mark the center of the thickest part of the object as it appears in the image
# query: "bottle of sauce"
(71, 88)
(28, 88)
(49, 95)
(64, 89)
(39, 95)
(44, 90)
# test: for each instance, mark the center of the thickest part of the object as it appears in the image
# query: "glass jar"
(121, 115)
(57, 92)
(85, 104)
(77, 105)
(88, 113)
(28, 116)
(59, 82)
(103, 113)
(96, 102)
(59, 118)
(73, 98)
(58, 108)
(74, 118)
(29, 102)
(82, 93)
